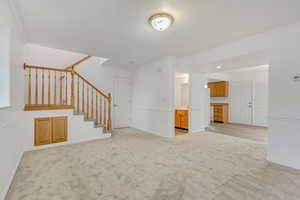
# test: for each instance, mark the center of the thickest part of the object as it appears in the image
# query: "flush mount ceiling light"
(161, 21)
(219, 67)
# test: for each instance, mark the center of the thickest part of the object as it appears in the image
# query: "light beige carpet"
(256, 133)
(133, 165)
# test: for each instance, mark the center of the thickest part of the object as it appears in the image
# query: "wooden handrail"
(59, 91)
(78, 62)
(46, 68)
(67, 70)
(84, 79)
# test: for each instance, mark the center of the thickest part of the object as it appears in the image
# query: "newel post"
(109, 112)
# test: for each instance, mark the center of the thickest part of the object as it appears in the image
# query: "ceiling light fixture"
(161, 21)
(218, 67)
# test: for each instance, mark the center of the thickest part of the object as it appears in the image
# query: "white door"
(241, 102)
(122, 103)
(260, 103)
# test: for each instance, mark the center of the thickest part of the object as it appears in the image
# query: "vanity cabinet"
(182, 119)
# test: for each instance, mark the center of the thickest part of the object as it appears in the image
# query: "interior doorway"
(242, 109)
(182, 103)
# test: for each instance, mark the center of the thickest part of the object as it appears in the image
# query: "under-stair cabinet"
(50, 130)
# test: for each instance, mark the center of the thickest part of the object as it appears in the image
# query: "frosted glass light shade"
(161, 21)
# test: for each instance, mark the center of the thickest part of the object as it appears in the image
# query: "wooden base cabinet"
(50, 130)
(220, 113)
(42, 131)
(182, 119)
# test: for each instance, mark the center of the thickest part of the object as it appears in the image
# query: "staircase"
(54, 88)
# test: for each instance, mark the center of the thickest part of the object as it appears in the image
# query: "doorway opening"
(239, 102)
(182, 103)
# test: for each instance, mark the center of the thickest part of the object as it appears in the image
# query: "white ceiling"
(241, 62)
(118, 29)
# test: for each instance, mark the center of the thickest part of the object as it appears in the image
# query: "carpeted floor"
(255, 133)
(133, 165)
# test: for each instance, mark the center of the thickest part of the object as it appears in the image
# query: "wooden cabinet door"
(223, 89)
(212, 88)
(219, 89)
(182, 119)
(59, 129)
(42, 131)
(185, 119)
(220, 113)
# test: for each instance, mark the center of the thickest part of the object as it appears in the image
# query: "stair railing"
(55, 88)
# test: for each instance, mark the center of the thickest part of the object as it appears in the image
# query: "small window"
(4, 67)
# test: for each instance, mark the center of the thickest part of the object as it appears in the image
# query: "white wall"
(49, 57)
(198, 103)
(282, 46)
(153, 98)
(182, 91)
(250, 74)
(284, 115)
(103, 77)
(4, 66)
(11, 137)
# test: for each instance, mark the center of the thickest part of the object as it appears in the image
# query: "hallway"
(135, 165)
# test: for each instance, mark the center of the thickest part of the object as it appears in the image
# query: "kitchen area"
(218, 98)
(239, 102)
(219, 91)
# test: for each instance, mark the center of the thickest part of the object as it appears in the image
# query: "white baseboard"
(197, 132)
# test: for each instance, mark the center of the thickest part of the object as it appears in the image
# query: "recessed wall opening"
(239, 102)
(182, 103)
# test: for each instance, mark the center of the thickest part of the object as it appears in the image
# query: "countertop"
(218, 104)
(181, 109)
